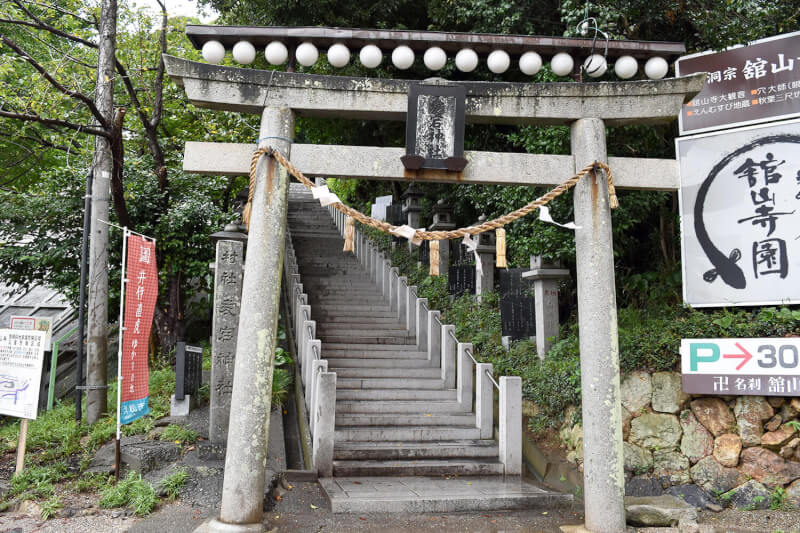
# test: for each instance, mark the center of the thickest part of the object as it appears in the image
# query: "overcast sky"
(186, 8)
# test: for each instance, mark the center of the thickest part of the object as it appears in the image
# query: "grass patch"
(132, 492)
(179, 434)
(172, 484)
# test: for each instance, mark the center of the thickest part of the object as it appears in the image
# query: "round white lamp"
(244, 52)
(466, 60)
(498, 61)
(402, 57)
(656, 68)
(595, 65)
(530, 63)
(306, 54)
(213, 52)
(562, 64)
(625, 67)
(434, 58)
(370, 56)
(276, 53)
(338, 55)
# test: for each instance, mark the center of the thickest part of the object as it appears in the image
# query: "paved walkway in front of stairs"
(439, 494)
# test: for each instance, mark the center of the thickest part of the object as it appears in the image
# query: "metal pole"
(119, 349)
(87, 219)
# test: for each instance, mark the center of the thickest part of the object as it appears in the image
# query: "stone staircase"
(394, 413)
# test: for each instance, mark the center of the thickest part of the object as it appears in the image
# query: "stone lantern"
(412, 207)
(443, 221)
(484, 281)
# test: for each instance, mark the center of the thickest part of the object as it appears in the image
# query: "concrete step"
(419, 467)
(389, 383)
(398, 371)
(353, 349)
(362, 326)
(437, 494)
(345, 321)
(394, 419)
(330, 352)
(384, 406)
(395, 394)
(342, 365)
(363, 339)
(377, 331)
(409, 433)
(415, 450)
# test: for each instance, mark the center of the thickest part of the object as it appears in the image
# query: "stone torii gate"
(280, 96)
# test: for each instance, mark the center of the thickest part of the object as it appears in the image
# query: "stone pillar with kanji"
(225, 328)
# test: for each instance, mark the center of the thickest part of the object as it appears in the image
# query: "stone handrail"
(459, 370)
(317, 382)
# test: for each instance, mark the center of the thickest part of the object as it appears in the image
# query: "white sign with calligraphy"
(21, 357)
(740, 216)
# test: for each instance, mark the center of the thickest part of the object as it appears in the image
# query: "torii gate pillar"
(603, 474)
(246, 459)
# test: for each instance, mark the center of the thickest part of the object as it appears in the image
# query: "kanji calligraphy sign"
(740, 210)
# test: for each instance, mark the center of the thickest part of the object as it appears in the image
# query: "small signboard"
(461, 280)
(749, 367)
(740, 210)
(517, 317)
(745, 85)
(21, 358)
(34, 323)
(435, 127)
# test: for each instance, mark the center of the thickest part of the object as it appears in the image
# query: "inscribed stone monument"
(227, 297)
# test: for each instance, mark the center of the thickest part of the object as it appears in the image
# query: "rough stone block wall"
(741, 451)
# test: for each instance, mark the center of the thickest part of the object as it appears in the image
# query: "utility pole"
(97, 341)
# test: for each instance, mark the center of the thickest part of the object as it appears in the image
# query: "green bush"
(281, 383)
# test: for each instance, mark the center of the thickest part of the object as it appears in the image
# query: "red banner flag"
(141, 292)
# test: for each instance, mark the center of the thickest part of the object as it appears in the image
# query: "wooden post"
(23, 439)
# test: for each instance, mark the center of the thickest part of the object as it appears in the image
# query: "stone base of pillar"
(215, 526)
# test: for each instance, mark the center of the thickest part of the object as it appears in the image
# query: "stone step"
(361, 326)
(369, 494)
(355, 307)
(352, 349)
(415, 450)
(364, 339)
(395, 419)
(398, 371)
(396, 406)
(345, 303)
(345, 320)
(395, 394)
(325, 314)
(409, 433)
(389, 383)
(375, 364)
(419, 467)
(350, 332)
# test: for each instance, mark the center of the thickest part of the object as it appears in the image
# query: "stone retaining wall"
(742, 451)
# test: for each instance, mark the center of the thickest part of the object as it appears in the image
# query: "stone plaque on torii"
(280, 96)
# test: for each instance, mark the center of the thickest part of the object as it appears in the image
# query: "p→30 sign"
(757, 367)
